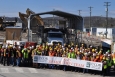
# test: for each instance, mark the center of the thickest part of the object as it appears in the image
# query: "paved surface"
(9, 71)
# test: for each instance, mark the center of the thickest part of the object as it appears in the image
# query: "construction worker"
(64, 55)
(78, 57)
(85, 58)
(18, 55)
(51, 54)
(113, 56)
(109, 64)
(2, 54)
(14, 55)
(29, 56)
(104, 70)
(73, 55)
(6, 56)
(25, 56)
(69, 55)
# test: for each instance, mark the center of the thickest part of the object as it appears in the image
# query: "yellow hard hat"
(93, 50)
(103, 57)
(51, 49)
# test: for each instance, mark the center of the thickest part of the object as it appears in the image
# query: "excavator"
(4, 24)
(24, 17)
(1, 23)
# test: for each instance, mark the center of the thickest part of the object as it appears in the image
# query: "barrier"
(68, 62)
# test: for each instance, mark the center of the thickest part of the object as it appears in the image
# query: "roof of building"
(61, 14)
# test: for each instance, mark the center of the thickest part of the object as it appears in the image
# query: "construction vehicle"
(52, 35)
(1, 23)
(24, 17)
(4, 23)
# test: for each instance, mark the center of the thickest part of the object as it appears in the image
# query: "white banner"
(68, 62)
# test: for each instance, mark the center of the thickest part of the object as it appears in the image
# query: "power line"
(90, 17)
(79, 12)
(106, 4)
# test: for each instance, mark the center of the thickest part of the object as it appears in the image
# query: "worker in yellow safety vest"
(109, 64)
(104, 70)
(113, 56)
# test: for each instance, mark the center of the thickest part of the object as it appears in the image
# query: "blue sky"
(12, 7)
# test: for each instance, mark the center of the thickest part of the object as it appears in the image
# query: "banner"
(68, 62)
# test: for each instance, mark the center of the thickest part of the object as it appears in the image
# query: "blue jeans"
(18, 61)
(11, 60)
(51, 66)
(114, 66)
(64, 67)
(85, 70)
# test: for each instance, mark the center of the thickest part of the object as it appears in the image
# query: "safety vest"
(114, 60)
(109, 63)
(69, 55)
(19, 54)
(105, 66)
(25, 54)
(38, 52)
(72, 55)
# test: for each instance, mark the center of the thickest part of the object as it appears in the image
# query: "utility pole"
(80, 31)
(106, 4)
(53, 22)
(79, 12)
(90, 17)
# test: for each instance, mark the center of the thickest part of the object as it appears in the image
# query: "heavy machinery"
(7, 21)
(24, 17)
(1, 23)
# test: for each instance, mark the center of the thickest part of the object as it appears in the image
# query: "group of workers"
(23, 56)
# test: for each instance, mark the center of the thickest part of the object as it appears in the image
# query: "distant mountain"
(98, 21)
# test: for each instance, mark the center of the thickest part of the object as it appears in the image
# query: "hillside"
(97, 21)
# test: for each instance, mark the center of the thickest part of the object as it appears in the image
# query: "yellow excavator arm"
(39, 19)
(24, 17)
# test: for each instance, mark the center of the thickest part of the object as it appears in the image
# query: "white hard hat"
(72, 48)
(14, 47)
(94, 54)
(32, 46)
(63, 48)
(19, 47)
(108, 54)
